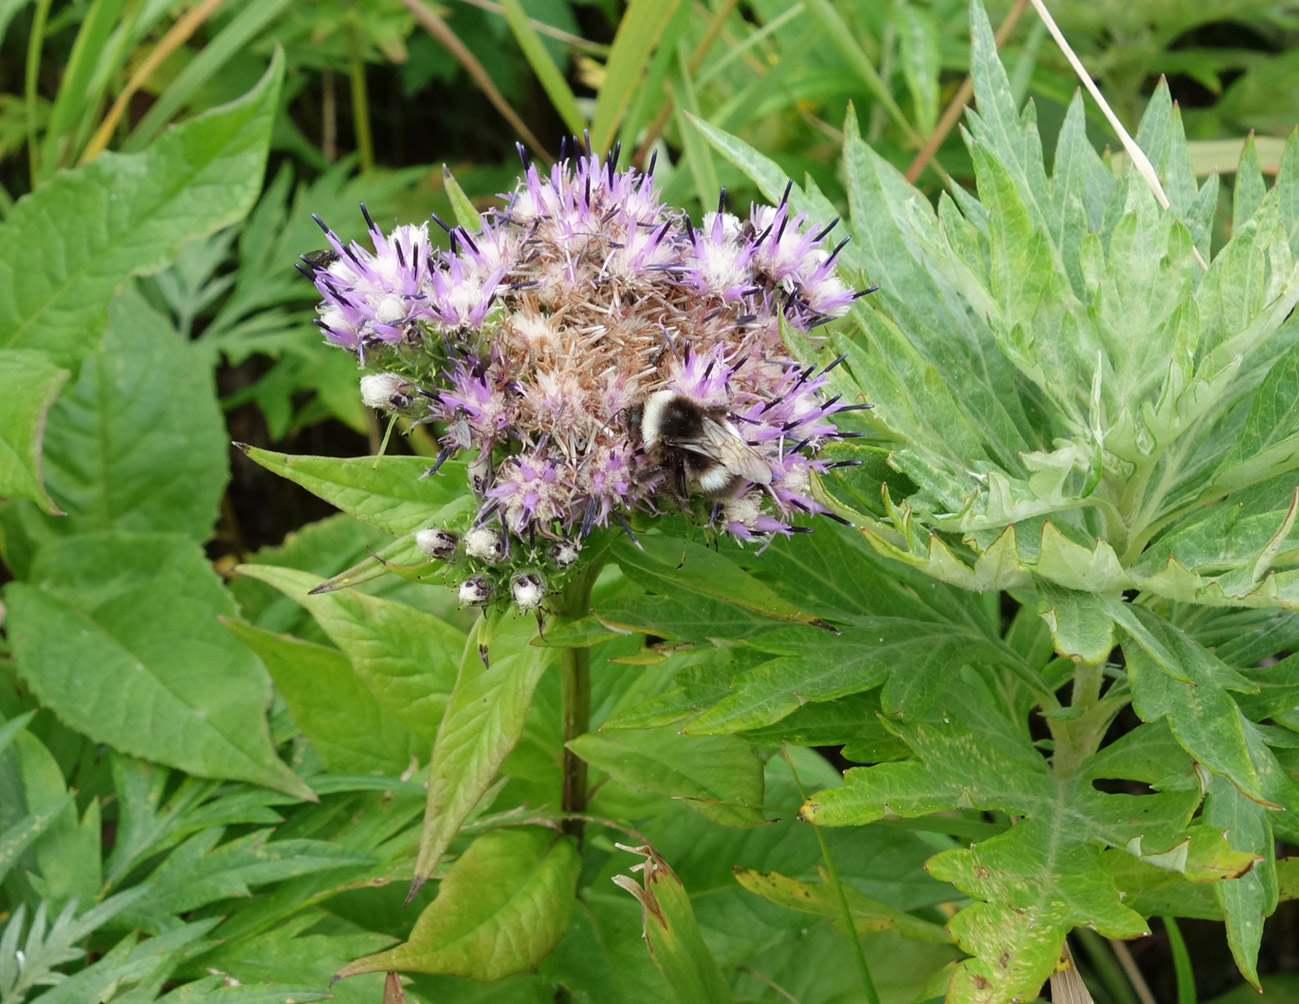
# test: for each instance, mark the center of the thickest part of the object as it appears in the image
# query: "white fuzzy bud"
(476, 590)
(437, 543)
(485, 544)
(386, 390)
(565, 553)
(527, 589)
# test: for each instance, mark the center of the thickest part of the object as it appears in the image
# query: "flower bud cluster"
(594, 353)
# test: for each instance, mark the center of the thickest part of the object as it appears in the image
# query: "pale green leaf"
(483, 722)
(29, 383)
(639, 31)
(720, 776)
(169, 683)
(348, 728)
(138, 441)
(387, 492)
(406, 658)
(502, 908)
(68, 247)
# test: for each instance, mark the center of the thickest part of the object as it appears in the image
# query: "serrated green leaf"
(821, 898)
(1017, 933)
(1046, 874)
(19, 836)
(502, 908)
(29, 383)
(199, 872)
(387, 492)
(812, 667)
(483, 722)
(169, 683)
(68, 853)
(1268, 443)
(68, 246)
(669, 565)
(1251, 897)
(1080, 627)
(334, 709)
(403, 656)
(1173, 677)
(138, 441)
(720, 776)
(1247, 194)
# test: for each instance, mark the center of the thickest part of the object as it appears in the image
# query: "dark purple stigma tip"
(654, 159)
(836, 517)
(626, 529)
(865, 292)
(721, 201)
(321, 223)
(837, 248)
(843, 463)
(784, 198)
(830, 226)
(441, 222)
(854, 407)
(834, 362)
(522, 151)
(369, 223)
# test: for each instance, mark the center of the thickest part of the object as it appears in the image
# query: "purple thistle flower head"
(596, 355)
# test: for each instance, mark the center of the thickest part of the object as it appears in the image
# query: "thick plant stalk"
(575, 690)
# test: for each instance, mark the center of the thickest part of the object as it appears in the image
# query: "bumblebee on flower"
(597, 355)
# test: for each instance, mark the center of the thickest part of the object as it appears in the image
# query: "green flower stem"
(1078, 738)
(575, 689)
(845, 911)
(360, 101)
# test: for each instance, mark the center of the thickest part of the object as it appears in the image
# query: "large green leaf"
(404, 657)
(1046, 874)
(502, 908)
(117, 633)
(720, 776)
(483, 721)
(349, 729)
(388, 492)
(138, 441)
(68, 246)
(29, 383)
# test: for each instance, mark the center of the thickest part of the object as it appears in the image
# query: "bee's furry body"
(698, 445)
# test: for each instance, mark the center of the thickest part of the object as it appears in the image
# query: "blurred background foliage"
(382, 96)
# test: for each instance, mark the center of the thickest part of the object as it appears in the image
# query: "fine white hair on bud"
(565, 553)
(476, 590)
(437, 543)
(527, 590)
(486, 544)
(389, 391)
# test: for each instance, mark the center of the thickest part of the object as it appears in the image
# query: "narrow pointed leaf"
(482, 723)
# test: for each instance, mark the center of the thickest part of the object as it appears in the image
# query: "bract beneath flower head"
(535, 343)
